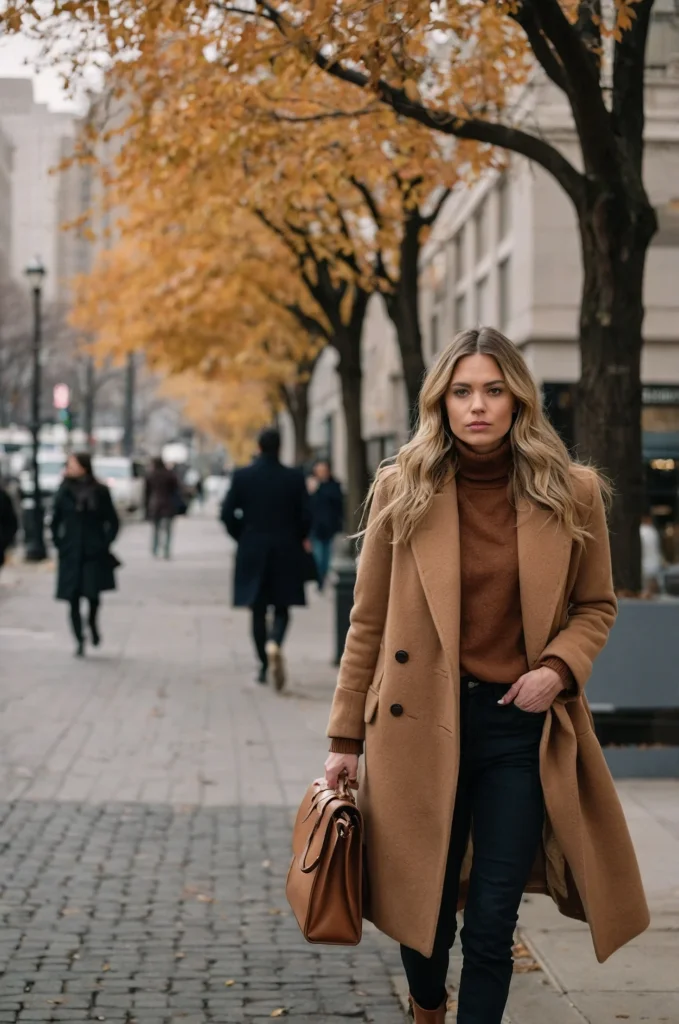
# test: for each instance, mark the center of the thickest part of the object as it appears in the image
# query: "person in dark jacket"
(327, 516)
(267, 511)
(84, 525)
(9, 524)
(163, 503)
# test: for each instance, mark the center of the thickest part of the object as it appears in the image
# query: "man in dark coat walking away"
(163, 502)
(9, 524)
(327, 516)
(84, 525)
(267, 511)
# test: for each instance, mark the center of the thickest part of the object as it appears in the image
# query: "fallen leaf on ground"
(230, 982)
(526, 968)
(280, 1012)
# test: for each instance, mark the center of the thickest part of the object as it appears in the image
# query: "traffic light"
(66, 417)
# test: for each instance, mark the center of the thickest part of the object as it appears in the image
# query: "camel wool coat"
(398, 689)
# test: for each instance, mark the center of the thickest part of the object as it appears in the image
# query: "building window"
(504, 293)
(434, 333)
(503, 209)
(439, 267)
(460, 313)
(481, 230)
(459, 255)
(481, 300)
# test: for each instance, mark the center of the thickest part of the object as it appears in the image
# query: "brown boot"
(421, 1016)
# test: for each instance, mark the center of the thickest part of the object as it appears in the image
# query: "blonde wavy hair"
(541, 471)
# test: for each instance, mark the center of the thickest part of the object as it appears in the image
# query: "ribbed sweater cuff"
(562, 670)
(339, 745)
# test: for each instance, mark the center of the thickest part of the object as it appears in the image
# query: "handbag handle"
(342, 819)
(319, 802)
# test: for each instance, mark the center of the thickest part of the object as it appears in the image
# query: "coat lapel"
(544, 557)
(436, 547)
(544, 552)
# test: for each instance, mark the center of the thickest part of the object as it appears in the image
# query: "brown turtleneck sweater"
(491, 631)
(492, 647)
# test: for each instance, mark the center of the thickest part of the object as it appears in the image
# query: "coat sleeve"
(593, 606)
(368, 616)
(10, 523)
(232, 504)
(304, 508)
(57, 516)
(111, 520)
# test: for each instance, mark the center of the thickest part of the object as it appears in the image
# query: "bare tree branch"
(550, 63)
(628, 82)
(593, 121)
(477, 130)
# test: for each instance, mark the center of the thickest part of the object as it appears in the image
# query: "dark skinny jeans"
(76, 616)
(260, 627)
(499, 797)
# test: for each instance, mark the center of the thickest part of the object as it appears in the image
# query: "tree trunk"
(615, 236)
(297, 402)
(347, 342)
(358, 478)
(403, 309)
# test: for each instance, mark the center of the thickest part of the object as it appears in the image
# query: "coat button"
(396, 710)
(402, 657)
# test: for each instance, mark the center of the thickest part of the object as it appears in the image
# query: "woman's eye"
(460, 392)
(495, 391)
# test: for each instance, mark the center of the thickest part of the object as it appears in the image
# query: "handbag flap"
(321, 810)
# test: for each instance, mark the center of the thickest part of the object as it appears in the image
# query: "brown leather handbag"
(325, 880)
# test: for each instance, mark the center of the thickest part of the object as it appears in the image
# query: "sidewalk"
(144, 837)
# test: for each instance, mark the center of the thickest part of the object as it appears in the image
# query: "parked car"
(125, 479)
(51, 465)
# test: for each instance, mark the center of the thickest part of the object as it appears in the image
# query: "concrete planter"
(638, 670)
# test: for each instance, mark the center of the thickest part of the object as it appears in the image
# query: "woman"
(327, 516)
(163, 503)
(484, 593)
(84, 525)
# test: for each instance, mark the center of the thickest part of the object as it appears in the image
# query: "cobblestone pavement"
(152, 913)
(145, 831)
(146, 834)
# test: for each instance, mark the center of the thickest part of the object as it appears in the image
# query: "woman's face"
(73, 467)
(479, 403)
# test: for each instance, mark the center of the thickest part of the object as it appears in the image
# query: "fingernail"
(501, 700)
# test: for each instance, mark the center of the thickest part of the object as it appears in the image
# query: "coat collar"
(544, 551)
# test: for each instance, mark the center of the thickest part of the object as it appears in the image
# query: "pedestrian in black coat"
(163, 502)
(84, 525)
(327, 516)
(9, 524)
(266, 510)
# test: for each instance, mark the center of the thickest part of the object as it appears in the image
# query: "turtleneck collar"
(490, 469)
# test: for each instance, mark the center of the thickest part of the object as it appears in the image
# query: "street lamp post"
(35, 539)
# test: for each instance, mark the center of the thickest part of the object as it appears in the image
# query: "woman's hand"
(535, 691)
(336, 764)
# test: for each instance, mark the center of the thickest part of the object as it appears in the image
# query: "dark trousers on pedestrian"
(322, 550)
(76, 617)
(162, 535)
(499, 800)
(262, 630)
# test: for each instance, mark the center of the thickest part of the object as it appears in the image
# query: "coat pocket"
(371, 702)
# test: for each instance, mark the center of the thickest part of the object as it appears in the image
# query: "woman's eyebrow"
(463, 384)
